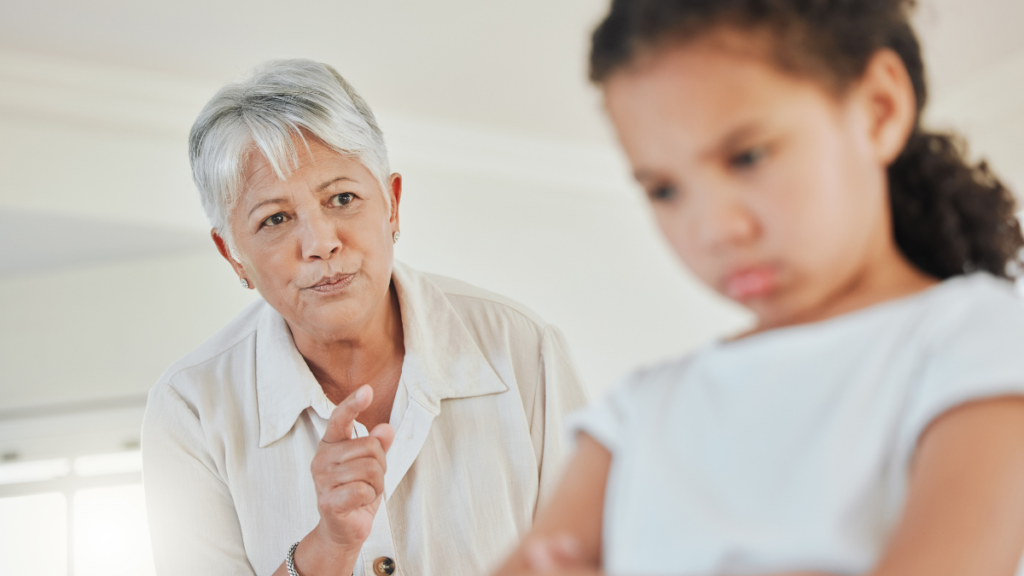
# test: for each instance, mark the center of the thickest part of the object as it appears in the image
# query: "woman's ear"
(222, 247)
(887, 92)
(395, 183)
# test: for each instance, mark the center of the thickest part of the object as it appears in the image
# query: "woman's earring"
(397, 235)
(244, 282)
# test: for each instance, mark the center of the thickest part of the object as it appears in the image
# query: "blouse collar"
(442, 360)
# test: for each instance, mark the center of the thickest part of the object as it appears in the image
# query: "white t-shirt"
(789, 450)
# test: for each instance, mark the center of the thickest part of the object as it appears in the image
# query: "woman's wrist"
(319, 556)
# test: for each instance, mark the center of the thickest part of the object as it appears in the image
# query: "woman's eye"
(275, 219)
(748, 158)
(662, 193)
(342, 199)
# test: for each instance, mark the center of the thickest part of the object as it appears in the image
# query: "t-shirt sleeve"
(976, 352)
(604, 420)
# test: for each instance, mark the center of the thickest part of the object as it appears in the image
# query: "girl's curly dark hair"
(949, 217)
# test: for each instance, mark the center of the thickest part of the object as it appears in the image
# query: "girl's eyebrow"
(733, 139)
(642, 174)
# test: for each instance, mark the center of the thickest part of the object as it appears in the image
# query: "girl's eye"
(748, 158)
(662, 193)
(342, 199)
(275, 219)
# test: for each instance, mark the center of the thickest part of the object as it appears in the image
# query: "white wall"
(107, 274)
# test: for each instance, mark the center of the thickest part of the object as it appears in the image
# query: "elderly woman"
(362, 417)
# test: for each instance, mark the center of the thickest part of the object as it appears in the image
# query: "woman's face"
(318, 245)
(768, 187)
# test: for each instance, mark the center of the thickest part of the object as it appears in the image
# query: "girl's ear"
(887, 92)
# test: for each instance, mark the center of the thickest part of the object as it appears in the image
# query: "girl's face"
(769, 187)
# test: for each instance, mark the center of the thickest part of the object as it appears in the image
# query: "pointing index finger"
(340, 427)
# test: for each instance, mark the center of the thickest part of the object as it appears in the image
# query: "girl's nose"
(727, 223)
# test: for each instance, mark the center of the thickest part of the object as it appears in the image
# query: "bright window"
(74, 517)
(33, 535)
(111, 536)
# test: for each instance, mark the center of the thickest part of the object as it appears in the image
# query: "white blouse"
(789, 450)
(231, 429)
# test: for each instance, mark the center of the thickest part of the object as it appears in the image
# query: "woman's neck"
(374, 358)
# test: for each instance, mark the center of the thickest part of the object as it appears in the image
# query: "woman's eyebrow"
(265, 202)
(338, 179)
(282, 200)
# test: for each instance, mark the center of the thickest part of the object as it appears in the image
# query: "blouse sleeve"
(192, 519)
(559, 392)
(976, 352)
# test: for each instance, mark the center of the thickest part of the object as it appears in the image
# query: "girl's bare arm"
(575, 509)
(965, 505)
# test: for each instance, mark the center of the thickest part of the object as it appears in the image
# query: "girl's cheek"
(671, 228)
(697, 261)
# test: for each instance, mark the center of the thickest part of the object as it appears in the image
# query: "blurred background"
(512, 182)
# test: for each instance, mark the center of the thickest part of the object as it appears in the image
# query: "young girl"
(873, 420)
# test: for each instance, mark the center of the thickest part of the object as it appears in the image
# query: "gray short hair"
(264, 111)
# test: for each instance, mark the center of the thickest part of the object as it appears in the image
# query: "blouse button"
(383, 566)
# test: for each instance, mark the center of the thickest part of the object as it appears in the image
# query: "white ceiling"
(516, 66)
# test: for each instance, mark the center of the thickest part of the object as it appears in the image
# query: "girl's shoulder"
(973, 323)
(972, 332)
(970, 348)
(978, 299)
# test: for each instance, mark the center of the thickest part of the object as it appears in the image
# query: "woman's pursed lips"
(333, 283)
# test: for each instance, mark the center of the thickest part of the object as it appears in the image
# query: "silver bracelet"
(289, 560)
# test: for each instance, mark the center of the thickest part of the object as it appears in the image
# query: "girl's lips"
(333, 285)
(750, 283)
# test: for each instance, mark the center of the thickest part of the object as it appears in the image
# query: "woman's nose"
(320, 239)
